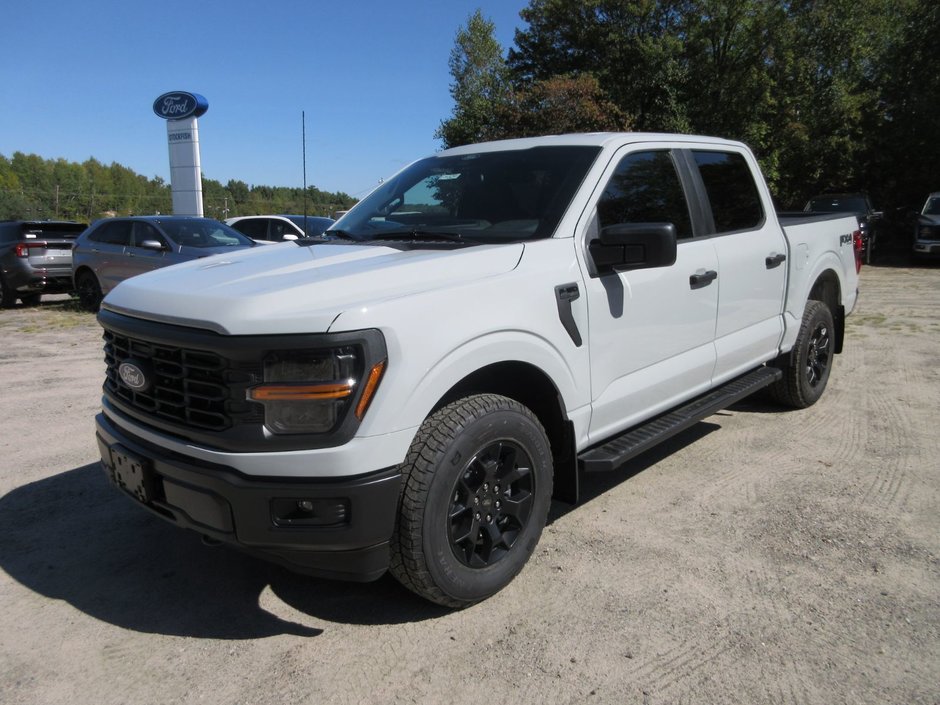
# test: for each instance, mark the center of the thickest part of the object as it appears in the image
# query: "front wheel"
(476, 489)
(88, 290)
(806, 368)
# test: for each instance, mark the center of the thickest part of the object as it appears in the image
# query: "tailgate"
(49, 245)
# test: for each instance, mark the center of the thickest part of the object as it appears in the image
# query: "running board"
(638, 439)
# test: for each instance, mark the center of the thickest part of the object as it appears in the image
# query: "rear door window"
(732, 193)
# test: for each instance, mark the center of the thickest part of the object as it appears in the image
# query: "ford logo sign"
(133, 376)
(179, 105)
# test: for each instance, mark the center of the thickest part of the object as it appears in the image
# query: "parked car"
(35, 259)
(869, 219)
(113, 249)
(277, 228)
(927, 230)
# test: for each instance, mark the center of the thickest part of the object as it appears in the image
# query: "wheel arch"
(828, 289)
(534, 389)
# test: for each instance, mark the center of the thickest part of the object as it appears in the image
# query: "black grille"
(195, 388)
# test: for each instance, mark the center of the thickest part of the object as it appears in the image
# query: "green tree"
(480, 86)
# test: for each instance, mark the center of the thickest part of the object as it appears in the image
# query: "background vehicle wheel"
(89, 291)
(7, 295)
(476, 488)
(806, 368)
(31, 299)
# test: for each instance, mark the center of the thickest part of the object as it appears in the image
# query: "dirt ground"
(764, 556)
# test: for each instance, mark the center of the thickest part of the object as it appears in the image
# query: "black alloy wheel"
(492, 503)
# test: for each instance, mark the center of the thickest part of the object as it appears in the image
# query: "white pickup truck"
(409, 394)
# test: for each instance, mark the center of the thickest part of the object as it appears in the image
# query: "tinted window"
(932, 207)
(731, 190)
(645, 188)
(256, 228)
(498, 196)
(115, 232)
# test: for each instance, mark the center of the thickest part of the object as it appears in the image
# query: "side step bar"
(638, 439)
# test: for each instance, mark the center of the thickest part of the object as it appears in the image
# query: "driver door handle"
(702, 279)
(775, 260)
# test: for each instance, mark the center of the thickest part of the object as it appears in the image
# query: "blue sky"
(78, 80)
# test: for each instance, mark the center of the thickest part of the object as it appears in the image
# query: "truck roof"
(597, 139)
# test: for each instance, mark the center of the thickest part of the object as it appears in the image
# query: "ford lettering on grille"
(133, 376)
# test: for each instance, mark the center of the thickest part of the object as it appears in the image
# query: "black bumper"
(333, 529)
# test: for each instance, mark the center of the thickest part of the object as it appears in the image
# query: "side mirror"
(634, 246)
(288, 236)
(155, 245)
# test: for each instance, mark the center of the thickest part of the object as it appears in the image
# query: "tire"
(7, 295)
(31, 299)
(476, 489)
(88, 290)
(806, 368)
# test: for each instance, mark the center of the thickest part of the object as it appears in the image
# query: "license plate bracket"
(129, 472)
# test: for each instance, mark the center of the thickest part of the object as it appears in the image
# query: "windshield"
(838, 204)
(932, 207)
(486, 197)
(198, 232)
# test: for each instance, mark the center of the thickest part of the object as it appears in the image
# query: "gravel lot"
(762, 557)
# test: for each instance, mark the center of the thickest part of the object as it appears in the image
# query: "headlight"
(311, 391)
(928, 232)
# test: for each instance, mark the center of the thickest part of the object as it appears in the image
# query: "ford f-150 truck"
(486, 325)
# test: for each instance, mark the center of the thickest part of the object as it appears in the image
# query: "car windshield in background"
(313, 225)
(203, 233)
(838, 205)
(502, 196)
(932, 207)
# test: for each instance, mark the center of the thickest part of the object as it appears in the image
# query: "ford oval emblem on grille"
(133, 376)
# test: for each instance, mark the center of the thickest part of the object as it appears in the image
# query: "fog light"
(333, 511)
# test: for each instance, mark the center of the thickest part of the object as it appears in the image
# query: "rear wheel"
(806, 368)
(31, 299)
(89, 291)
(7, 295)
(476, 488)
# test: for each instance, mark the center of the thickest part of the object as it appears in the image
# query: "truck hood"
(288, 288)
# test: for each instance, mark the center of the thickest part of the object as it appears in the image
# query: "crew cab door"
(752, 253)
(651, 325)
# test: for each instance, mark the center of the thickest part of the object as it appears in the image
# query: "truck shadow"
(595, 484)
(71, 537)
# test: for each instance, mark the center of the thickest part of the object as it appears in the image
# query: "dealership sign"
(180, 105)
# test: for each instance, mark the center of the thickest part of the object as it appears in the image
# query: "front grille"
(195, 388)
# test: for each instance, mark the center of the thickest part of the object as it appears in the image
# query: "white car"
(277, 228)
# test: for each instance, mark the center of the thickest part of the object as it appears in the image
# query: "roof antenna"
(303, 139)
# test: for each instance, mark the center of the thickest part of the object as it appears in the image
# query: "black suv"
(858, 204)
(35, 259)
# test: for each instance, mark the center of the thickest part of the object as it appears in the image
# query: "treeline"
(830, 94)
(33, 188)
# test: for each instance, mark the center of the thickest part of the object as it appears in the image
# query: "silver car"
(114, 249)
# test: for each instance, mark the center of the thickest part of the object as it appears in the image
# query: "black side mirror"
(634, 246)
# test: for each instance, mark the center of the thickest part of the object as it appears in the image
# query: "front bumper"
(338, 528)
(927, 247)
